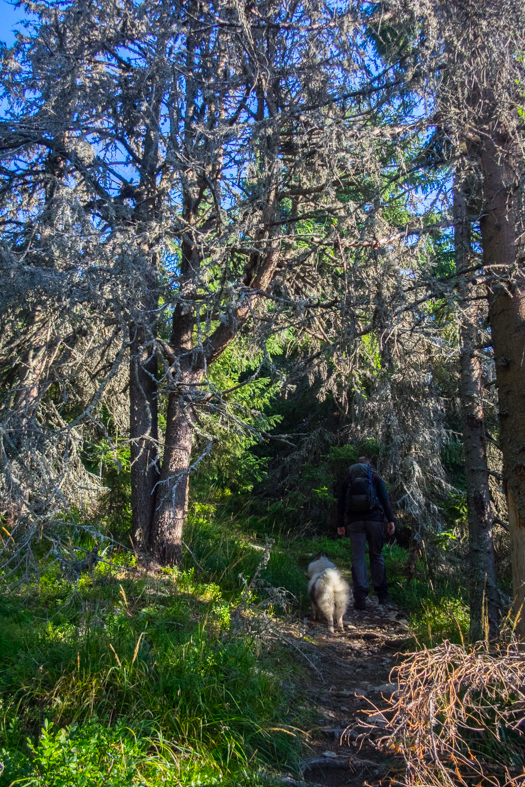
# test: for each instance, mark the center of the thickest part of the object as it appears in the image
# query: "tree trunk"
(507, 320)
(143, 437)
(483, 587)
(143, 359)
(173, 485)
(188, 366)
(517, 551)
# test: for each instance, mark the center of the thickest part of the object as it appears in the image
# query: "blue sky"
(9, 16)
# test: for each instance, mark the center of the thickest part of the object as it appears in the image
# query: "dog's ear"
(320, 555)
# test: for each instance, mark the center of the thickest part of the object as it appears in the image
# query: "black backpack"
(361, 494)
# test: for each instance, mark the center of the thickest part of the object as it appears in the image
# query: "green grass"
(125, 680)
(94, 754)
(228, 554)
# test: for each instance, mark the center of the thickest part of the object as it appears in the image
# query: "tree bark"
(483, 587)
(506, 299)
(173, 485)
(143, 437)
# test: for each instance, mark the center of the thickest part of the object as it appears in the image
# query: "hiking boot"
(359, 603)
(384, 600)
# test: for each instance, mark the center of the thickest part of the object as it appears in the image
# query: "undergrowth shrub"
(437, 607)
(95, 755)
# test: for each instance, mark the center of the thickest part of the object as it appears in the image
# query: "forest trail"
(349, 683)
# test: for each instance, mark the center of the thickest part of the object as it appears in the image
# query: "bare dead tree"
(214, 166)
(207, 158)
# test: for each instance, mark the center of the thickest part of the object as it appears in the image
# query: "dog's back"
(318, 564)
(328, 591)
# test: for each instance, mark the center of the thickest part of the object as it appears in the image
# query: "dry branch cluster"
(459, 715)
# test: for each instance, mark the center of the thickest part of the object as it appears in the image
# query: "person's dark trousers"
(359, 533)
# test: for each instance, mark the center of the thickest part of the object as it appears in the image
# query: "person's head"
(364, 460)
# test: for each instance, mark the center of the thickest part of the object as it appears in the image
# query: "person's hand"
(390, 528)
(341, 531)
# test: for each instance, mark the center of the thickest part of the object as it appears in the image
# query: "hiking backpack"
(361, 495)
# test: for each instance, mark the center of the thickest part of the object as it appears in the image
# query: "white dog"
(328, 591)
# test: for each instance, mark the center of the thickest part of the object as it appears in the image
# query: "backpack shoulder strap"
(375, 497)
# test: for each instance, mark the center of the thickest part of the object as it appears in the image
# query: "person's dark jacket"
(376, 514)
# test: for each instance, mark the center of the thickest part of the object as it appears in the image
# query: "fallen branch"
(327, 762)
(288, 642)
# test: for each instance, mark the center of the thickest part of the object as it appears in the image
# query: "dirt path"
(349, 676)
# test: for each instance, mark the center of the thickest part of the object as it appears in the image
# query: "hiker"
(362, 506)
